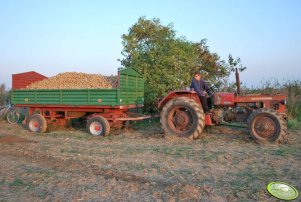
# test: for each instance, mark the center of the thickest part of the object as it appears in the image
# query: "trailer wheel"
(98, 126)
(183, 117)
(37, 123)
(267, 126)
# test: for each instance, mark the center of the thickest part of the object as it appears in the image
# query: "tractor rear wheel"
(98, 126)
(183, 117)
(37, 123)
(267, 126)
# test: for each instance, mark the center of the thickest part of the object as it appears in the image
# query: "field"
(140, 164)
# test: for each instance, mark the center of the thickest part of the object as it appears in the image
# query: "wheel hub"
(265, 127)
(96, 128)
(181, 119)
(34, 125)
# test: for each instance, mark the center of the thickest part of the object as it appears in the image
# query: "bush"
(294, 124)
(293, 89)
(4, 95)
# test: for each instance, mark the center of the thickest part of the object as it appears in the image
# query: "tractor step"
(208, 120)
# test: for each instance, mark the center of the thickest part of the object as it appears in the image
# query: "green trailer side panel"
(104, 97)
(131, 86)
(130, 91)
(23, 97)
(67, 97)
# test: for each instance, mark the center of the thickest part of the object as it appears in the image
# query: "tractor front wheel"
(267, 126)
(183, 117)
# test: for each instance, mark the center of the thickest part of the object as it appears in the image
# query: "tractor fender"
(178, 93)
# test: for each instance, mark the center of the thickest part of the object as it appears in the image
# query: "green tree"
(235, 63)
(166, 61)
(3, 94)
(215, 70)
(232, 64)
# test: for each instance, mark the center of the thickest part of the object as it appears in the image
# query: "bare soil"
(140, 164)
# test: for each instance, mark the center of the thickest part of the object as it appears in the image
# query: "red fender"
(179, 93)
(184, 93)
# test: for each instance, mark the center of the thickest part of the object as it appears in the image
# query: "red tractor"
(264, 115)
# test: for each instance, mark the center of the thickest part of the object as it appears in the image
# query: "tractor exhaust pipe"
(237, 81)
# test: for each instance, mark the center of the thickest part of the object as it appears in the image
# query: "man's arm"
(205, 86)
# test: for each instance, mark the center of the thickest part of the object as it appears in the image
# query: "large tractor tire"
(183, 117)
(98, 126)
(267, 126)
(37, 123)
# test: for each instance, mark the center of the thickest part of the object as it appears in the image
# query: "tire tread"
(282, 136)
(185, 101)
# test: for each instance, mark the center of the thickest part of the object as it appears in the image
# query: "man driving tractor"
(200, 86)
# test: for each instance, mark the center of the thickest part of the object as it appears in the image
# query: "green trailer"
(102, 108)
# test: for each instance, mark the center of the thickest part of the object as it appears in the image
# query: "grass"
(249, 182)
(284, 151)
(20, 184)
(148, 168)
(175, 151)
(70, 151)
(147, 123)
(17, 183)
(294, 124)
(2, 182)
(65, 133)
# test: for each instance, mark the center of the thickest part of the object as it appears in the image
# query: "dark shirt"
(199, 86)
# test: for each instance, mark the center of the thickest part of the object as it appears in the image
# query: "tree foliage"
(232, 65)
(235, 63)
(4, 95)
(166, 61)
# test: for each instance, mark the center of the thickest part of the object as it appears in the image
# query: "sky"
(57, 36)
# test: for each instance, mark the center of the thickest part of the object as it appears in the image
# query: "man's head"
(197, 76)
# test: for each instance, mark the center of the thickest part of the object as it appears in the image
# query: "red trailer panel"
(20, 81)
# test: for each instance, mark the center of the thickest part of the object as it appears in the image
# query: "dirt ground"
(140, 164)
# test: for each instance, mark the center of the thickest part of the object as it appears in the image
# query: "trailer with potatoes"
(102, 108)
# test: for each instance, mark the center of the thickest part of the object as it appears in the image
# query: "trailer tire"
(183, 117)
(37, 123)
(267, 126)
(98, 126)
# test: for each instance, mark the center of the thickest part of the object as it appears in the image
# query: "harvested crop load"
(113, 80)
(73, 80)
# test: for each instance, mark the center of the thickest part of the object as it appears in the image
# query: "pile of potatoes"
(75, 80)
(113, 80)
